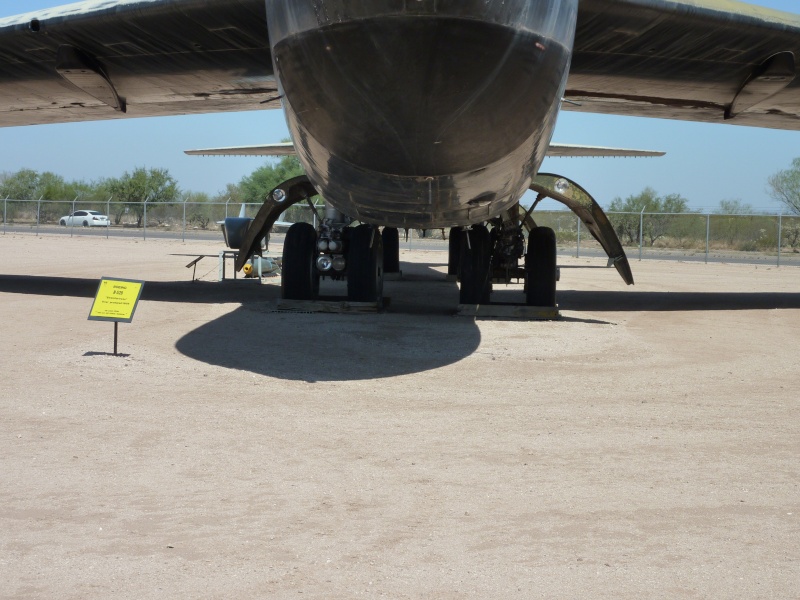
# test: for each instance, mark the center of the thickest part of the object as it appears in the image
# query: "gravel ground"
(644, 446)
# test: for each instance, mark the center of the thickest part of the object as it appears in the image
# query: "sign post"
(116, 301)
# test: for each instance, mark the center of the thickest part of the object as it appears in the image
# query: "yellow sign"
(116, 300)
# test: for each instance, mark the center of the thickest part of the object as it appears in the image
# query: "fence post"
(578, 249)
(708, 234)
(183, 235)
(780, 231)
(145, 219)
(5, 213)
(72, 224)
(641, 232)
(226, 207)
(108, 214)
(38, 213)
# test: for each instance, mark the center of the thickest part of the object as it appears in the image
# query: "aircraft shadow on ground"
(417, 300)
(330, 347)
(419, 333)
(631, 300)
(158, 291)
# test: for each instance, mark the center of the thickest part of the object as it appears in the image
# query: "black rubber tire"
(391, 250)
(454, 250)
(299, 275)
(365, 265)
(475, 266)
(63, 222)
(540, 268)
(86, 223)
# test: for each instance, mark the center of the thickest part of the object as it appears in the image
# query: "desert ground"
(646, 445)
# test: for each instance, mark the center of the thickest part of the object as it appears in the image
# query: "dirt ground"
(647, 445)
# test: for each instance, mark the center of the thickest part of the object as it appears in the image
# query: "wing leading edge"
(556, 150)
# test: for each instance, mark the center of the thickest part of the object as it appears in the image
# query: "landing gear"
(300, 279)
(540, 268)
(485, 257)
(391, 250)
(365, 265)
(475, 270)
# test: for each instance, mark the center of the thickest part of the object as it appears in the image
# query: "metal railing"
(686, 236)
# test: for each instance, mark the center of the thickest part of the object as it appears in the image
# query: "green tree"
(255, 187)
(657, 209)
(132, 190)
(791, 236)
(733, 207)
(20, 185)
(199, 209)
(784, 186)
(232, 193)
(27, 184)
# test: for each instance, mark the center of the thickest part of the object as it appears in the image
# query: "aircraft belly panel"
(409, 201)
(445, 103)
(427, 118)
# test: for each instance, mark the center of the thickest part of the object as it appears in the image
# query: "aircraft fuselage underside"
(423, 113)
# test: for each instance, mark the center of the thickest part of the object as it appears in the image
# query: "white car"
(85, 218)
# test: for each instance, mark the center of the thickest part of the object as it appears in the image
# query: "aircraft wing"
(278, 149)
(705, 60)
(575, 151)
(103, 59)
(700, 60)
(557, 150)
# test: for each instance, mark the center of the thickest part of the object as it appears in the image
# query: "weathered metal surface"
(680, 59)
(424, 114)
(160, 58)
(297, 189)
(579, 201)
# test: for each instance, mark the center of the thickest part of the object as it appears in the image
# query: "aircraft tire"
(454, 250)
(299, 275)
(540, 268)
(475, 266)
(391, 250)
(365, 265)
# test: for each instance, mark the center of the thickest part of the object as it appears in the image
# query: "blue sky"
(705, 163)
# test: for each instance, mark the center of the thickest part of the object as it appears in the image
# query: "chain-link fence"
(687, 236)
(142, 219)
(696, 236)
